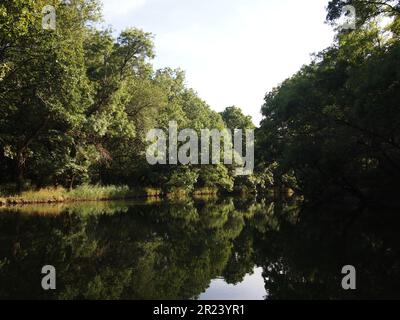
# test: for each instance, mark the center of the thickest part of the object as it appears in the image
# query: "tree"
(234, 119)
(44, 89)
(334, 125)
(76, 103)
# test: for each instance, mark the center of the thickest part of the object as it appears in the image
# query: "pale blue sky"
(233, 51)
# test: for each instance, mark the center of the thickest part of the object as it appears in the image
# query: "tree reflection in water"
(173, 250)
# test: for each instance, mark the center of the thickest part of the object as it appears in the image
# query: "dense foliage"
(76, 104)
(334, 127)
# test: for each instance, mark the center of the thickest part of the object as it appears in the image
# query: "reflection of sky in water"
(252, 288)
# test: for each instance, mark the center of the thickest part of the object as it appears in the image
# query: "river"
(230, 248)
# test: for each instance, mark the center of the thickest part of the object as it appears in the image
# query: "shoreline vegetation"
(93, 193)
(97, 193)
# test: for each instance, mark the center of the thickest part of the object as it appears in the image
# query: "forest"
(77, 102)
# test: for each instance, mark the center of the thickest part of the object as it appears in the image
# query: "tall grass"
(82, 193)
(96, 193)
(44, 194)
(87, 192)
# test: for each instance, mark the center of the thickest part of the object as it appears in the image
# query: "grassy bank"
(82, 193)
(97, 193)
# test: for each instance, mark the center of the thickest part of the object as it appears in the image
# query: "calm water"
(214, 249)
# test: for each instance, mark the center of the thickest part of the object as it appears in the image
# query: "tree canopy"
(334, 125)
(76, 103)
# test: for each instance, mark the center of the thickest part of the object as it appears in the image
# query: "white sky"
(233, 51)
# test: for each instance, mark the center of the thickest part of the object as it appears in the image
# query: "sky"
(233, 51)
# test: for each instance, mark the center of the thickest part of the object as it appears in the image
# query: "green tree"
(333, 125)
(43, 86)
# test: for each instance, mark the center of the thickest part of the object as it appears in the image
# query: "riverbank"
(80, 194)
(87, 193)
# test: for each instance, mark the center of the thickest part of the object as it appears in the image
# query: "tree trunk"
(20, 172)
(71, 186)
(21, 158)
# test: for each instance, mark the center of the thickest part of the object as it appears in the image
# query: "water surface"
(214, 249)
